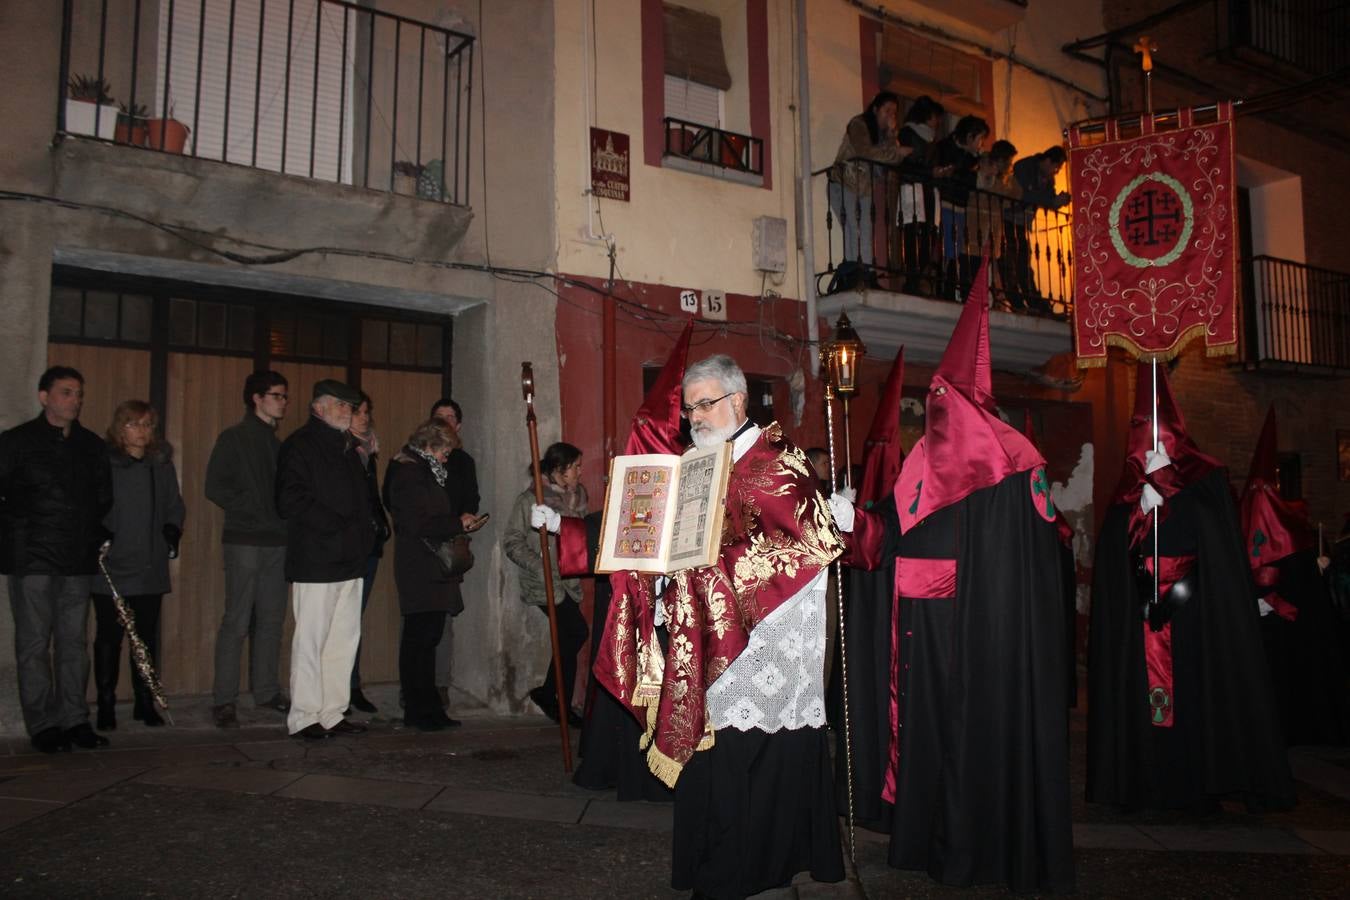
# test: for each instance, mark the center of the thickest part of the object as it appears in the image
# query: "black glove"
(172, 535)
(381, 530)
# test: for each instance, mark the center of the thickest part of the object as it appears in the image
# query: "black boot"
(144, 709)
(105, 683)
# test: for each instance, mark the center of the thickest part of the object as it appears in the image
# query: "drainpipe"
(804, 166)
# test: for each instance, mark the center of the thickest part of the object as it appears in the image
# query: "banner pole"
(1156, 578)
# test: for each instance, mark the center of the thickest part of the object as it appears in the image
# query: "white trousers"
(327, 633)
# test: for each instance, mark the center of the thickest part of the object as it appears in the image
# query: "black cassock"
(982, 774)
(867, 618)
(1225, 738)
(1307, 668)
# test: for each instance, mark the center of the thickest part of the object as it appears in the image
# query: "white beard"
(711, 437)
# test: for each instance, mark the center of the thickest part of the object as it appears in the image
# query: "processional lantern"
(840, 357)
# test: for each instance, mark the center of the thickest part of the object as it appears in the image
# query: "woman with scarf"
(362, 431)
(414, 494)
(566, 495)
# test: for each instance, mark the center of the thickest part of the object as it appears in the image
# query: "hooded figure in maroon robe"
(979, 771)
(1180, 708)
(1298, 623)
(867, 614)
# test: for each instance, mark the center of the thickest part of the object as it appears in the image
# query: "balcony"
(901, 252)
(1291, 37)
(1297, 316)
(321, 89)
(713, 151)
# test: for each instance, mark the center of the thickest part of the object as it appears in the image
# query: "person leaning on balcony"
(994, 190)
(240, 479)
(869, 139)
(917, 207)
(55, 488)
(147, 519)
(1035, 175)
(958, 157)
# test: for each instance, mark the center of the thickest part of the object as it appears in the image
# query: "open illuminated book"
(663, 513)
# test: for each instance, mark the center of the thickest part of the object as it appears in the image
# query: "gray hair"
(721, 368)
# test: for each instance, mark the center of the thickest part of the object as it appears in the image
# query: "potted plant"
(90, 108)
(169, 134)
(406, 176)
(131, 125)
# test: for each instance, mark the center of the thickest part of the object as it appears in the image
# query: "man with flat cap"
(322, 494)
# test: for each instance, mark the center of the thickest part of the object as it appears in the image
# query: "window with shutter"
(912, 65)
(254, 103)
(690, 101)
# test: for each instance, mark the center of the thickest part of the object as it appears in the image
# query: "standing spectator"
(323, 495)
(995, 195)
(1035, 175)
(958, 157)
(428, 597)
(241, 479)
(147, 519)
(368, 448)
(918, 201)
(565, 495)
(869, 143)
(461, 486)
(55, 488)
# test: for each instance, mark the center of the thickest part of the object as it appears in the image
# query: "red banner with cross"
(1155, 235)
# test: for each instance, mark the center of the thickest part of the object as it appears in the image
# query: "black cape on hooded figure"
(867, 613)
(979, 756)
(1224, 739)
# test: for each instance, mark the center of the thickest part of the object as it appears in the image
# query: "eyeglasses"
(277, 395)
(702, 405)
(139, 425)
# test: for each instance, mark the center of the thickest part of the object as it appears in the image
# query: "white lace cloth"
(778, 681)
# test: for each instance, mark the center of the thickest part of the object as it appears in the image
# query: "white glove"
(1149, 498)
(545, 517)
(848, 493)
(842, 508)
(1155, 460)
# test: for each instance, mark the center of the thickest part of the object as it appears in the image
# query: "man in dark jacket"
(241, 479)
(1035, 176)
(330, 532)
(55, 488)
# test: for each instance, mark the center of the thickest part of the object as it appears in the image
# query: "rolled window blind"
(694, 47)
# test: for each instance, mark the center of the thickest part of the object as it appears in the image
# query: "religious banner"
(1155, 233)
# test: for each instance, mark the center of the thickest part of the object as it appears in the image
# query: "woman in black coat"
(146, 521)
(414, 494)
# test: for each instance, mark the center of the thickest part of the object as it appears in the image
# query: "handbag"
(454, 555)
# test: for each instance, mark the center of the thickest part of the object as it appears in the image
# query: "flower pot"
(131, 132)
(169, 135)
(81, 116)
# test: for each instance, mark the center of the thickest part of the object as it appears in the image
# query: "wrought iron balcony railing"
(706, 144)
(1296, 315)
(889, 229)
(323, 89)
(1306, 34)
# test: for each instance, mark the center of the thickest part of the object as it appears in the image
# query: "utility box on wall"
(770, 244)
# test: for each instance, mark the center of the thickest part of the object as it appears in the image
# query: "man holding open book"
(739, 722)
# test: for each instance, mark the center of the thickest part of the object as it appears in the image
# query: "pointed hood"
(1265, 461)
(966, 447)
(882, 454)
(656, 424)
(1188, 463)
(1275, 528)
